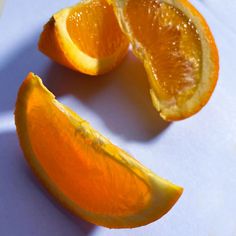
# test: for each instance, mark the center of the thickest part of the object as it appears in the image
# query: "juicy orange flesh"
(77, 165)
(94, 29)
(171, 43)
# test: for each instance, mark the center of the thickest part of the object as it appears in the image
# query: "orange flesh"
(94, 29)
(171, 44)
(77, 165)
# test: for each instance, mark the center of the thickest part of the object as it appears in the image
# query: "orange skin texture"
(55, 40)
(55, 140)
(199, 103)
(50, 46)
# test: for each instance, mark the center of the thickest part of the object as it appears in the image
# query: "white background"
(198, 153)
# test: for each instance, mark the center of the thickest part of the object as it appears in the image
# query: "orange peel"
(178, 50)
(85, 37)
(83, 170)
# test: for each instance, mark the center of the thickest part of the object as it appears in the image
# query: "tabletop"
(198, 153)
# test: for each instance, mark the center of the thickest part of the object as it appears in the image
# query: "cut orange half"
(83, 170)
(85, 37)
(178, 51)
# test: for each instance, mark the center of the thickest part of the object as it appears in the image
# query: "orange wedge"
(85, 37)
(83, 170)
(178, 51)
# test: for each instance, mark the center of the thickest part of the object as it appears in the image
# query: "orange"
(85, 37)
(178, 51)
(83, 170)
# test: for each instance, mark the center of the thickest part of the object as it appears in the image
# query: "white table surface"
(198, 153)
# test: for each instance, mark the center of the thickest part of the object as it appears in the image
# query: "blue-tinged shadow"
(15, 67)
(121, 98)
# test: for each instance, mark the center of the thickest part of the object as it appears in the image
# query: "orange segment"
(172, 44)
(94, 29)
(85, 37)
(82, 169)
(69, 173)
(178, 51)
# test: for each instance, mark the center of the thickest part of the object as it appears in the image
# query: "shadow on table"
(15, 67)
(26, 209)
(121, 98)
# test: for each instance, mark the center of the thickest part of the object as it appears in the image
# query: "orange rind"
(83, 170)
(178, 50)
(85, 37)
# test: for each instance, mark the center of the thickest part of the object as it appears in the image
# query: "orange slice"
(82, 169)
(178, 51)
(85, 37)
